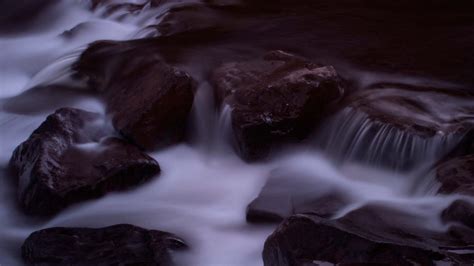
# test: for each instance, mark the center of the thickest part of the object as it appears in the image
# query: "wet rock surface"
(390, 222)
(275, 100)
(418, 110)
(368, 235)
(121, 244)
(302, 240)
(457, 176)
(397, 126)
(149, 100)
(460, 211)
(68, 160)
(284, 196)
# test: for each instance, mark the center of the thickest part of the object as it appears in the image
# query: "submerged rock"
(121, 244)
(284, 196)
(368, 235)
(274, 100)
(149, 100)
(67, 160)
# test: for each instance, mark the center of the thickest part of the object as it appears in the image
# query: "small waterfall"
(426, 184)
(223, 131)
(212, 130)
(203, 119)
(352, 135)
(145, 16)
(57, 72)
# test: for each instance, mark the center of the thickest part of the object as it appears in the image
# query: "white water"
(352, 135)
(204, 188)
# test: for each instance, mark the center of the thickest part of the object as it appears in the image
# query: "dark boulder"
(148, 99)
(372, 234)
(286, 195)
(121, 244)
(68, 160)
(457, 176)
(302, 240)
(274, 100)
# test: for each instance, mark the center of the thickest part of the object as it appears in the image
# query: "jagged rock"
(149, 100)
(68, 160)
(121, 244)
(277, 99)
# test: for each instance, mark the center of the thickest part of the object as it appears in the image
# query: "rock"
(399, 126)
(149, 100)
(273, 208)
(371, 234)
(68, 160)
(406, 226)
(121, 244)
(308, 240)
(460, 211)
(457, 176)
(425, 116)
(464, 146)
(274, 100)
(286, 195)
(191, 18)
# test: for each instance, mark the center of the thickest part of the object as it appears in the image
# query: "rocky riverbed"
(235, 132)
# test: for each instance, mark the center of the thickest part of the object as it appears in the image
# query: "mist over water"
(204, 188)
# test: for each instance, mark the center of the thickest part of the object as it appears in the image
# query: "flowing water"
(204, 188)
